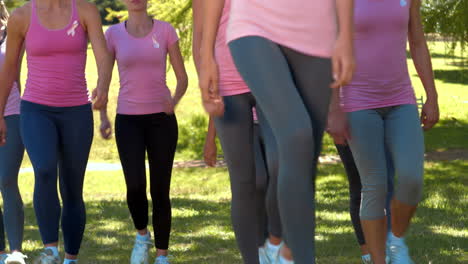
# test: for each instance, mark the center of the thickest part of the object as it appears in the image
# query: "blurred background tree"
(447, 19)
(176, 12)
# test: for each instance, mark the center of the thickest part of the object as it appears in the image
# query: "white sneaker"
(366, 259)
(15, 258)
(269, 254)
(161, 260)
(47, 257)
(140, 252)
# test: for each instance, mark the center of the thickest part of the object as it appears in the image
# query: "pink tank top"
(230, 81)
(13, 103)
(381, 78)
(56, 63)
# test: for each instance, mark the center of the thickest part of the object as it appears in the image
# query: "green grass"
(202, 230)
(451, 80)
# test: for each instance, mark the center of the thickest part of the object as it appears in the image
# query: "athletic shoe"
(3, 257)
(15, 258)
(140, 252)
(268, 254)
(399, 253)
(366, 259)
(161, 260)
(47, 257)
(262, 256)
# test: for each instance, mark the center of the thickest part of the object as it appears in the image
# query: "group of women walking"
(274, 76)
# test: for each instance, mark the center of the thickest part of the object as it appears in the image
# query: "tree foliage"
(12, 4)
(448, 18)
(176, 12)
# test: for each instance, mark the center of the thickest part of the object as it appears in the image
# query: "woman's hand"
(343, 62)
(338, 127)
(106, 128)
(430, 114)
(3, 131)
(169, 105)
(209, 76)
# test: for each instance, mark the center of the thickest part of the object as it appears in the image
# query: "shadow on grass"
(202, 230)
(447, 134)
(452, 76)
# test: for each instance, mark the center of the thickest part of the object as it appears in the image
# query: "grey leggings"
(266, 167)
(376, 134)
(235, 131)
(293, 91)
(11, 156)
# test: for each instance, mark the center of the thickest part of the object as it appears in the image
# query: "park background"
(202, 231)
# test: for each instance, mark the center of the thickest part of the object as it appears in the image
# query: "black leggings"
(156, 134)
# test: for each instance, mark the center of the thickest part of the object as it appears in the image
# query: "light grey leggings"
(293, 91)
(377, 133)
(11, 156)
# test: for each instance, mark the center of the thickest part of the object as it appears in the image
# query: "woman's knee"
(373, 201)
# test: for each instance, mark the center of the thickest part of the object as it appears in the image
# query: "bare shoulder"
(20, 18)
(86, 9)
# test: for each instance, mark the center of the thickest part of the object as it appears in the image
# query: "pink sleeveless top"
(56, 63)
(13, 103)
(381, 78)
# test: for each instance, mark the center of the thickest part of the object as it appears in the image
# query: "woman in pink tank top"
(56, 114)
(384, 122)
(11, 156)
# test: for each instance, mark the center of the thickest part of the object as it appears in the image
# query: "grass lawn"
(451, 80)
(201, 226)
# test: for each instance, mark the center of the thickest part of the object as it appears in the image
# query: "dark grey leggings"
(235, 131)
(293, 91)
(266, 167)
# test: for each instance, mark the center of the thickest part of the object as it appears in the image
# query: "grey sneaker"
(47, 257)
(162, 260)
(15, 258)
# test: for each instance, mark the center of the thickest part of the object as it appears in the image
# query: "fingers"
(2, 139)
(336, 70)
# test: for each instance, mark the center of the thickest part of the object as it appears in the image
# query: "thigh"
(40, 137)
(235, 131)
(405, 139)
(265, 69)
(130, 139)
(312, 76)
(76, 135)
(161, 134)
(368, 146)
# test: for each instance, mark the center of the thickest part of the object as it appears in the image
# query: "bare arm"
(209, 76)
(20, 64)
(10, 70)
(197, 10)
(343, 57)
(104, 62)
(210, 150)
(177, 62)
(422, 62)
